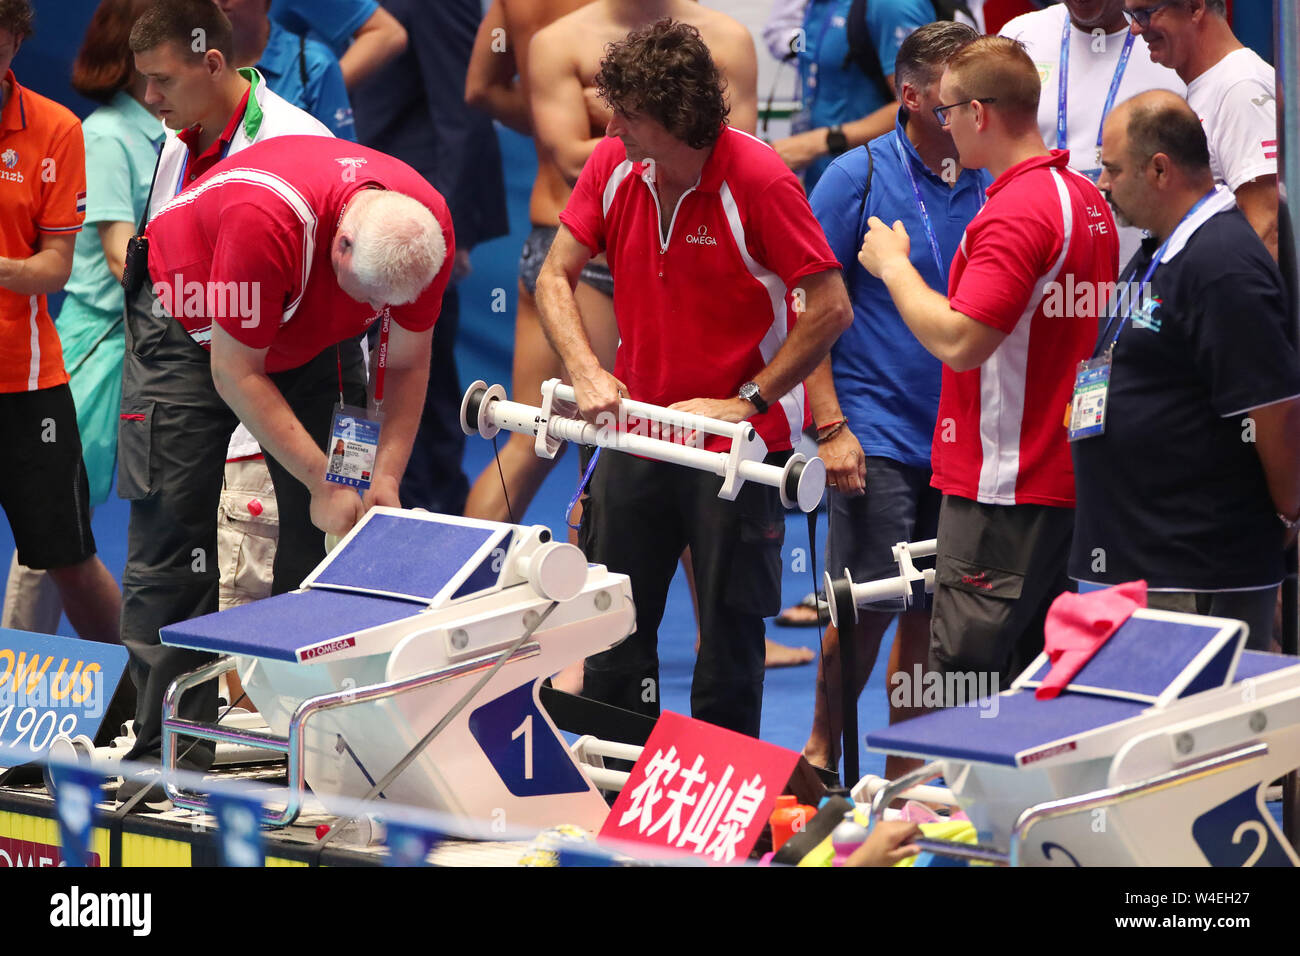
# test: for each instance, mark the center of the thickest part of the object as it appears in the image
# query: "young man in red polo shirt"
(713, 248)
(1000, 453)
(261, 277)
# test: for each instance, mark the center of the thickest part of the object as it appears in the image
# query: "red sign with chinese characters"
(700, 789)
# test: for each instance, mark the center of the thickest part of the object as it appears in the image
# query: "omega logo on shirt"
(701, 237)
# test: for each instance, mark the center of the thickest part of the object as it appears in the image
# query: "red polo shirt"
(196, 166)
(248, 247)
(702, 309)
(999, 438)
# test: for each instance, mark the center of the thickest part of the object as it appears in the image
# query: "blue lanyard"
(1063, 82)
(573, 502)
(925, 215)
(1151, 270)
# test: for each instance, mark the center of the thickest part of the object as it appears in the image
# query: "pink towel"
(1079, 624)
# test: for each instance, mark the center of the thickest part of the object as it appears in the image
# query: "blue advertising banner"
(239, 830)
(76, 791)
(52, 687)
(409, 845)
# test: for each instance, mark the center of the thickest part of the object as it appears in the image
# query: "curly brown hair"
(16, 17)
(666, 72)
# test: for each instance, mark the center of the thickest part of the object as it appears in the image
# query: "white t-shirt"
(1236, 100)
(1094, 56)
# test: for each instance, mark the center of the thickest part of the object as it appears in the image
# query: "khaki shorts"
(246, 541)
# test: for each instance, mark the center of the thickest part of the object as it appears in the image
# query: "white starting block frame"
(1158, 753)
(484, 411)
(407, 666)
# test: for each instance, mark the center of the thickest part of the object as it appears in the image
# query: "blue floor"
(483, 351)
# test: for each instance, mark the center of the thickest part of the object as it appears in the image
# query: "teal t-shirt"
(122, 142)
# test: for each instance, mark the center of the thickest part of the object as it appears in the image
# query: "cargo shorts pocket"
(963, 575)
(136, 476)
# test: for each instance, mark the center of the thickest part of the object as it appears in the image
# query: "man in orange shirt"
(43, 490)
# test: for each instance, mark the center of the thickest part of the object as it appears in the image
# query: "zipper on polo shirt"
(659, 216)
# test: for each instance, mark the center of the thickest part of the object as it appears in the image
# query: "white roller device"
(911, 584)
(484, 411)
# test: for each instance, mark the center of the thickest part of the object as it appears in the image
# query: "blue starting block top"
(416, 558)
(1154, 659)
(288, 627)
(1021, 729)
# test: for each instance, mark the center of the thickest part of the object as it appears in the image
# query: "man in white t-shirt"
(1232, 90)
(1105, 64)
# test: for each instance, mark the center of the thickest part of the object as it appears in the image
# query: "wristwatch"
(836, 141)
(749, 392)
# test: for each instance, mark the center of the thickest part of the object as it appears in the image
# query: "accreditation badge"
(1088, 408)
(353, 444)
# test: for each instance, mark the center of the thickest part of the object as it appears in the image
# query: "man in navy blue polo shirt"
(1193, 482)
(886, 382)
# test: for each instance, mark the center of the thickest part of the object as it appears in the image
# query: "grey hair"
(398, 247)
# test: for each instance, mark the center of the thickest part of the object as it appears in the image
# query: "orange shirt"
(42, 190)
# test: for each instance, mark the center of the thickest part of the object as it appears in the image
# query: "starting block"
(388, 643)
(1158, 753)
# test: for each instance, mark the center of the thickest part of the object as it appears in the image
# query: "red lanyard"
(381, 361)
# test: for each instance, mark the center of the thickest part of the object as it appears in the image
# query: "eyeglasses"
(1142, 15)
(941, 112)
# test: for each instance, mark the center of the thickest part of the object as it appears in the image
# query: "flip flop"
(811, 602)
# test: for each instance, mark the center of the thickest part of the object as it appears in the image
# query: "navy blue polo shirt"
(887, 383)
(1174, 492)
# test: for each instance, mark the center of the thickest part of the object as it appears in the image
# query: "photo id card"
(353, 444)
(1088, 409)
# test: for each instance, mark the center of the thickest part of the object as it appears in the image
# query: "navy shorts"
(899, 505)
(531, 257)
